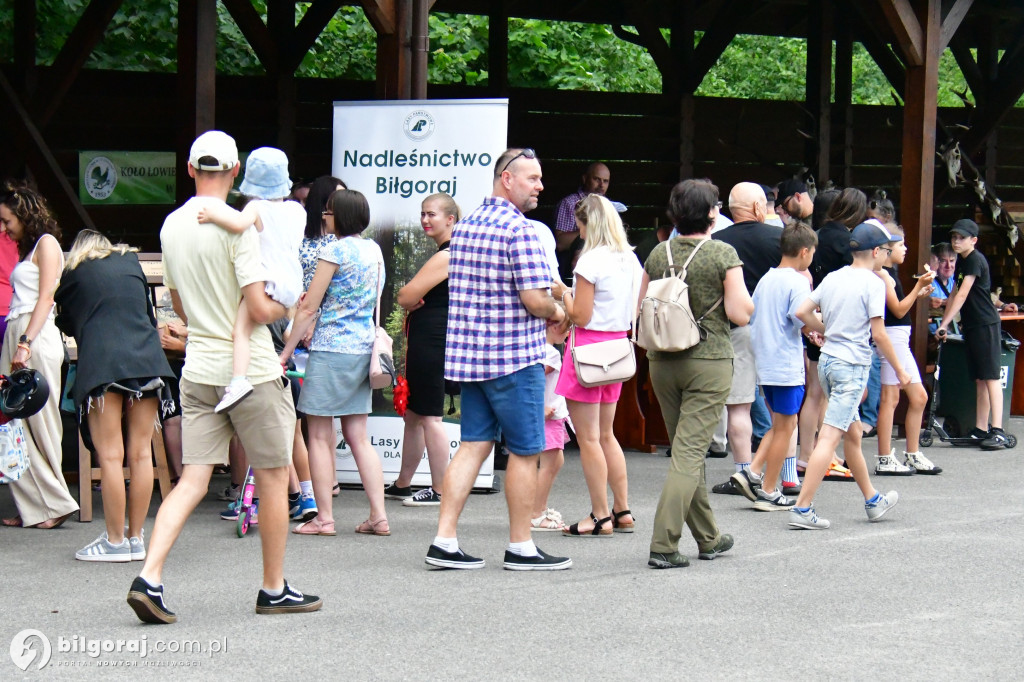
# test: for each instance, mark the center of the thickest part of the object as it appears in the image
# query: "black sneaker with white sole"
(457, 559)
(541, 562)
(148, 603)
(393, 492)
(747, 482)
(996, 440)
(289, 601)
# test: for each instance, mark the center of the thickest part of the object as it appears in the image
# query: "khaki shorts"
(744, 372)
(264, 422)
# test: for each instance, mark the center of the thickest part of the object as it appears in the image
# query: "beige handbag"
(666, 321)
(606, 362)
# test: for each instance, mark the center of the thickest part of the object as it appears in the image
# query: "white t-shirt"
(849, 298)
(616, 279)
(553, 359)
(775, 328)
(284, 224)
(547, 240)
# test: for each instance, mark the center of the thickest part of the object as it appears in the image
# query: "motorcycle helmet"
(23, 393)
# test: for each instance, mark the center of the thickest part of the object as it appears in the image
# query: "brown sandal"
(598, 532)
(369, 527)
(623, 526)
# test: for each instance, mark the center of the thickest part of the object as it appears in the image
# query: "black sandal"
(623, 527)
(597, 532)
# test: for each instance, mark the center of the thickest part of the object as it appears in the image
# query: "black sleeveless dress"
(424, 360)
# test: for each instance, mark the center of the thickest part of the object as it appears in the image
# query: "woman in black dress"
(426, 299)
(103, 302)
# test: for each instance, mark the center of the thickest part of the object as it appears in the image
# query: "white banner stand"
(386, 435)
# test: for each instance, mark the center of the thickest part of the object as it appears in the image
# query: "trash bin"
(957, 394)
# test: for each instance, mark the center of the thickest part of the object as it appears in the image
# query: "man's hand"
(1010, 308)
(937, 303)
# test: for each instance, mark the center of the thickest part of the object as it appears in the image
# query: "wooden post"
(420, 47)
(918, 177)
(281, 25)
(25, 25)
(497, 49)
(819, 86)
(197, 70)
(844, 97)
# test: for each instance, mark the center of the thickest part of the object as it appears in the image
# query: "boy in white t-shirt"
(852, 302)
(280, 225)
(779, 359)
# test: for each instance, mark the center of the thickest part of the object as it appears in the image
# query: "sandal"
(623, 526)
(838, 473)
(597, 532)
(315, 527)
(13, 523)
(336, 490)
(369, 527)
(549, 520)
(50, 524)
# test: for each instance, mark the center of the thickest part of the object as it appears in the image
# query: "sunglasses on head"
(524, 154)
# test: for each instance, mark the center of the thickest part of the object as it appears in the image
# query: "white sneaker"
(888, 465)
(235, 392)
(877, 508)
(920, 463)
(138, 546)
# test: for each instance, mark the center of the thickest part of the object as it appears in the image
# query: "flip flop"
(314, 527)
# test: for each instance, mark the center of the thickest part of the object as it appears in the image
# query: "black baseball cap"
(788, 188)
(965, 227)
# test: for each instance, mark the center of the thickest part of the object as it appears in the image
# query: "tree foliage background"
(542, 54)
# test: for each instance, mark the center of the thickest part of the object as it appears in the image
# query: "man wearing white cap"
(209, 271)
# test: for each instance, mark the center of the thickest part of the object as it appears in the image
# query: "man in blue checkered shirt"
(499, 308)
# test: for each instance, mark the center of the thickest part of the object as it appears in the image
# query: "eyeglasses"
(525, 154)
(327, 213)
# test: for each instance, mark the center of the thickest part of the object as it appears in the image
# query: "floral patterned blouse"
(308, 256)
(346, 314)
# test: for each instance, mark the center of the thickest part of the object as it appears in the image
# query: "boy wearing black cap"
(979, 322)
(852, 302)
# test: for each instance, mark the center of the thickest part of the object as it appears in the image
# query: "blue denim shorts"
(844, 386)
(514, 403)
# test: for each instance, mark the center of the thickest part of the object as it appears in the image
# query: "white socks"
(447, 544)
(523, 548)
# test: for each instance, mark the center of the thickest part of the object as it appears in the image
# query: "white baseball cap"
(213, 144)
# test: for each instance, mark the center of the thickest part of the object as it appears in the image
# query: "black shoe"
(996, 440)
(747, 483)
(673, 560)
(541, 562)
(724, 544)
(393, 492)
(728, 488)
(148, 603)
(289, 601)
(870, 433)
(459, 559)
(716, 454)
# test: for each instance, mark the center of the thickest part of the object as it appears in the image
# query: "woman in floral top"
(317, 232)
(349, 277)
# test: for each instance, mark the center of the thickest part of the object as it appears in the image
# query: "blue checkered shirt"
(494, 254)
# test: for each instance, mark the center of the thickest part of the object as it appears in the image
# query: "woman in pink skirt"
(602, 304)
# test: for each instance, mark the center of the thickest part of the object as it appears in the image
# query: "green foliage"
(758, 67)
(458, 49)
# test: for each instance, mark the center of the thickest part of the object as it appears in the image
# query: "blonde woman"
(31, 340)
(121, 377)
(601, 305)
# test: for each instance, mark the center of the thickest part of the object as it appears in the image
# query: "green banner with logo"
(117, 178)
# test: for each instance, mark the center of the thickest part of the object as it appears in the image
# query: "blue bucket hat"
(266, 174)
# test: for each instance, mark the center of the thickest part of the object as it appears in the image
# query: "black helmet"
(23, 393)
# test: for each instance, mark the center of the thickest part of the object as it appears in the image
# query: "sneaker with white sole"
(723, 545)
(101, 549)
(148, 603)
(806, 519)
(138, 545)
(424, 498)
(306, 510)
(920, 463)
(393, 492)
(234, 393)
(748, 483)
(229, 494)
(878, 505)
(457, 559)
(888, 465)
(539, 562)
(773, 501)
(231, 513)
(289, 601)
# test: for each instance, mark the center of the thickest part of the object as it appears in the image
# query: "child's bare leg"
(783, 426)
(240, 336)
(918, 398)
(855, 460)
(828, 438)
(550, 464)
(890, 397)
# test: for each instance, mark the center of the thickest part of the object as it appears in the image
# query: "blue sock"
(789, 470)
(802, 510)
(874, 498)
(741, 467)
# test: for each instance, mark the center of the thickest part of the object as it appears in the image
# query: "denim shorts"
(784, 400)
(844, 386)
(514, 403)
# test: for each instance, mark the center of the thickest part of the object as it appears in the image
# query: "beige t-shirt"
(208, 266)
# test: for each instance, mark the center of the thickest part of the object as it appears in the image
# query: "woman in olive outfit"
(103, 302)
(692, 385)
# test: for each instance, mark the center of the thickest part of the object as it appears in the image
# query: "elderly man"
(499, 308)
(759, 247)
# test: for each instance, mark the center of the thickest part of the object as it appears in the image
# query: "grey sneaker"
(101, 549)
(773, 501)
(747, 482)
(424, 498)
(673, 560)
(920, 463)
(888, 465)
(880, 504)
(723, 545)
(138, 546)
(806, 520)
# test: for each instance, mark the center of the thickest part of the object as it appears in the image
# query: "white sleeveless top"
(25, 281)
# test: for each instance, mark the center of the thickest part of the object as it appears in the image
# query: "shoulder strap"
(701, 243)
(693, 253)
(376, 310)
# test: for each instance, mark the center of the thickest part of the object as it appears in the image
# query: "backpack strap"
(700, 319)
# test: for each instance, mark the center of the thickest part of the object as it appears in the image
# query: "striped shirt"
(494, 254)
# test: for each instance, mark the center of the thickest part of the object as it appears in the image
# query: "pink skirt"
(555, 435)
(567, 384)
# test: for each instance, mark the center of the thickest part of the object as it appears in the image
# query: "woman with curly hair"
(32, 341)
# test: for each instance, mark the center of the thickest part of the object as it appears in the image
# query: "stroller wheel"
(926, 439)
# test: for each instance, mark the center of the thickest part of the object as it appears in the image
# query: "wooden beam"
(972, 73)
(951, 22)
(48, 173)
(497, 48)
(1004, 94)
(906, 28)
(652, 40)
(819, 86)
(313, 23)
(197, 71)
(419, 46)
(883, 56)
(718, 36)
(256, 32)
(381, 14)
(25, 28)
(281, 27)
(72, 57)
(844, 96)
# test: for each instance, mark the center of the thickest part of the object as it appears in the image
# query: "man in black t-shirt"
(979, 323)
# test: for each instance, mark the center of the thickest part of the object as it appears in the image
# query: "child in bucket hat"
(280, 224)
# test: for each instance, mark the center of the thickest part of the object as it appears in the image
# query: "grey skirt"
(336, 384)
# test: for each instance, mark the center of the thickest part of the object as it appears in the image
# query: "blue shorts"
(514, 403)
(844, 386)
(784, 399)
